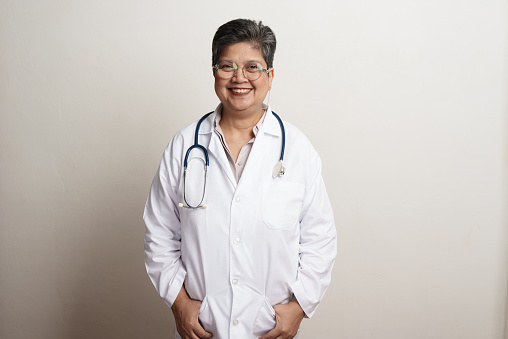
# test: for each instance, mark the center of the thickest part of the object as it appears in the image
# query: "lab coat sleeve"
(318, 243)
(163, 233)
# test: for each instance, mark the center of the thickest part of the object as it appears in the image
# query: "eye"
(253, 67)
(226, 66)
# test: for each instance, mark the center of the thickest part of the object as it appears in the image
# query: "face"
(239, 94)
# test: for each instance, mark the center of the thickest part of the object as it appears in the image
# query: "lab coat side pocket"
(265, 319)
(282, 203)
(205, 316)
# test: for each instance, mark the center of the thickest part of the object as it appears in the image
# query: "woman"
(248, 251)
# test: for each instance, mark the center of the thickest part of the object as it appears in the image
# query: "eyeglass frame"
(216, 68)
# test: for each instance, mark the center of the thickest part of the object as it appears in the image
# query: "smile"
(241, 90)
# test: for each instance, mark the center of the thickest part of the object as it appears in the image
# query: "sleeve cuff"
(308, 307)
(176, 286)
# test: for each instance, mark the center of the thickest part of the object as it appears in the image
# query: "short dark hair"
(244, 30)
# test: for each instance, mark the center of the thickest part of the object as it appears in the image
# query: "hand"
(288, 318)
(186, 312)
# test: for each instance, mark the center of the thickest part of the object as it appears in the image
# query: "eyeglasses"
(227, 69)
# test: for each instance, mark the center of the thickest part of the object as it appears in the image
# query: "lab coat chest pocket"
(281, 205)
(194, 223)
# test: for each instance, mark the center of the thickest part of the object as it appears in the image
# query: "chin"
(240, 106)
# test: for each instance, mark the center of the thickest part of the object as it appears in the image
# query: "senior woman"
(237, 244)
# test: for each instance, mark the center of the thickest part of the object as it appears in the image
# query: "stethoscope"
(278, 169)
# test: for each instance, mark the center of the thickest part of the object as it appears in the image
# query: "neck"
(240, 121)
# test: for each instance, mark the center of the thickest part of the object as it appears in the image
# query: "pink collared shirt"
(239, 166)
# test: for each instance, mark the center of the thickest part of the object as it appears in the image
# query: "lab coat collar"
(270, 125)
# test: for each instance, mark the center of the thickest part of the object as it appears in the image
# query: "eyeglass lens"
(227, 69)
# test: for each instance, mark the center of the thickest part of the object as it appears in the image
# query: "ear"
(271, 74)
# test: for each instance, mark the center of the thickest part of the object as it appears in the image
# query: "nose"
(239, 75)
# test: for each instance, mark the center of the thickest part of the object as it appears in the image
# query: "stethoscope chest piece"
(278, 169)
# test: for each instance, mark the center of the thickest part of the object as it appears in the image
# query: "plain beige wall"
(406, 101)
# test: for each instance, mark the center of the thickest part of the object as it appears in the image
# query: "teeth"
(237, 90)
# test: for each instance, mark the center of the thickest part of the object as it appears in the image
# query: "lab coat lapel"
(215, 148)
(256, 163)
(217, 151)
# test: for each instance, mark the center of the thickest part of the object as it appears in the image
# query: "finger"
(190, 335)
(273, 334)
(201, 333)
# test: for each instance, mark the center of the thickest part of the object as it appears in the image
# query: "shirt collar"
(268, 123)
(255, 129)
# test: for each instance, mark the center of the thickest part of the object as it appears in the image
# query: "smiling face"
(238, 94)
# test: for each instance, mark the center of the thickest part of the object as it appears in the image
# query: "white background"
(406, 102)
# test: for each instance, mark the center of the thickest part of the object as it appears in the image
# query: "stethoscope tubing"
(283, 146)
(196, 143)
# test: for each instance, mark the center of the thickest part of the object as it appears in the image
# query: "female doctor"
(241, 247)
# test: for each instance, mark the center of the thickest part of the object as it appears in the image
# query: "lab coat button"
(237, 199)
(235, 322)
(236, 241)
(235, 281)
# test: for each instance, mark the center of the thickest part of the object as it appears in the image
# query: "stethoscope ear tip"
(181, 205)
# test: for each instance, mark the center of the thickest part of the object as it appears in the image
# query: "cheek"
(262, 86)
(220, 87)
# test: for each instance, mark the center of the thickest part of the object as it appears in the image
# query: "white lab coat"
(257, 242)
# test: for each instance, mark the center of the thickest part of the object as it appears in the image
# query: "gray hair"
(244, 30)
